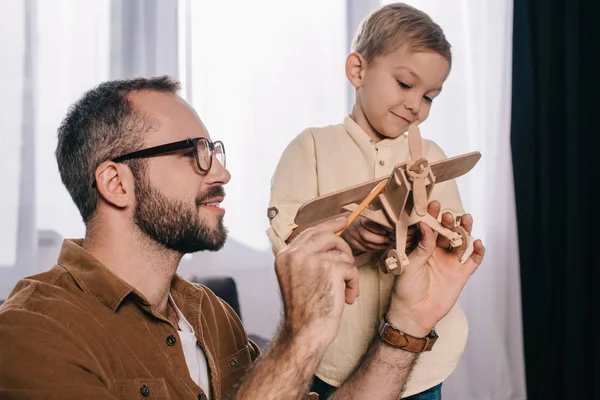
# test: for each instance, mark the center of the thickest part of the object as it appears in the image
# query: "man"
(113, 320)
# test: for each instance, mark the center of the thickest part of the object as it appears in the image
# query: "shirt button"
(234, 362)
(381, 162)
(171, 340)
(145, 391)
(202, 396)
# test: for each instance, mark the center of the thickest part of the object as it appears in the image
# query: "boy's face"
(396, 90)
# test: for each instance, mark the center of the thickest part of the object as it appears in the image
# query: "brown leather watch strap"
(397, 338)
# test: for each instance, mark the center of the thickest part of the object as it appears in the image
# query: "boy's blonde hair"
(399, 24)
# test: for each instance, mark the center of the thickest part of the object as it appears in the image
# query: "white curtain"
(473, 114)
(52, 52)
(17, 211)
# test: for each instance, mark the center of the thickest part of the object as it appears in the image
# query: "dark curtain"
(555, 128)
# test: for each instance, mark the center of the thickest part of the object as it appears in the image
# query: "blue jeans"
(324, 391)
(435, 393)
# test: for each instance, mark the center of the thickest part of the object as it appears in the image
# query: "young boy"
(399, 62)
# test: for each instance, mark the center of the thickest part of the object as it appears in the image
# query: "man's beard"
(174, 224)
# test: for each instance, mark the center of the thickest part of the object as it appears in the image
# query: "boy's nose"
(413, 104)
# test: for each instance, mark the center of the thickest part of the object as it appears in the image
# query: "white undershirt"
(194, 356)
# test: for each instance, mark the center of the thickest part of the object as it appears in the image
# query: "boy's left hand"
(365, 235)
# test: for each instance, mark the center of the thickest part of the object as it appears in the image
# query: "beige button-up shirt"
(323, 160)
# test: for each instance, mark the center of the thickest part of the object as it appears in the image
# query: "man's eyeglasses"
(203, 150)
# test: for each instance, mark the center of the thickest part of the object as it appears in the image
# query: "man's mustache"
(210, 193)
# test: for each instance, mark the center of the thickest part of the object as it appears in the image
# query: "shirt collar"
(363, 139)
(93, 277)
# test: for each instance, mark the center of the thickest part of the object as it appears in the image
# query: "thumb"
(426, 246)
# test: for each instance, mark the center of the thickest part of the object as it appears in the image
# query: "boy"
(399, 62)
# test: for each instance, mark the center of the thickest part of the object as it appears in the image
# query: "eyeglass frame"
(171, 147)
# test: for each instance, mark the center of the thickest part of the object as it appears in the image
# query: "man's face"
(398, 89)
(177, 205)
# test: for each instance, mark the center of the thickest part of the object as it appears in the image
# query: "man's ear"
(115, 182)
(356, 66)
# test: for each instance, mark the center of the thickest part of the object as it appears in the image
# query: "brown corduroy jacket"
(78, 331)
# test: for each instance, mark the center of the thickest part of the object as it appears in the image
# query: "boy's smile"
(395, 90)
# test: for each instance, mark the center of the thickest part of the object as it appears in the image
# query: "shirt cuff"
(277, 243)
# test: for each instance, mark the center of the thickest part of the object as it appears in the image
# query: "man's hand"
(430, 285)
(317, 277)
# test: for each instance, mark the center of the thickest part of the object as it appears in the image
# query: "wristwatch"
(404, 341)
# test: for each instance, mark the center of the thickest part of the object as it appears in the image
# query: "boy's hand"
(365, 235)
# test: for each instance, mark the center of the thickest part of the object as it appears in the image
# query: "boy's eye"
(428, 99)
(188, 154)
(402, 84)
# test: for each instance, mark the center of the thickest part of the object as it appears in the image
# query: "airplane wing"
(332, 204)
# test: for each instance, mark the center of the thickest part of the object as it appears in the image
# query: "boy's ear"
(355, 69)
(115, 183)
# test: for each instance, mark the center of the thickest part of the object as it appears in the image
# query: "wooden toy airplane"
(397, 201)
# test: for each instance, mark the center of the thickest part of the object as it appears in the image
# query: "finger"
(477, 257)
(447, 222)
(332, 226)
(427, 237)
(466, 221)
(425, 247)
(433, 208)
(338, 257)
(372, 226)
(375, 247)
(351, 281)
(371, 238)
(356, 244)
(478, 252)
(323, 241)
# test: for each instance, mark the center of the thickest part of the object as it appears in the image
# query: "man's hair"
(396, 25)
(103, 124)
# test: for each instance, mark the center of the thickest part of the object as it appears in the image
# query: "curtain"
(555, 146)
(144, 38)
(17, 149)
(53, 51)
